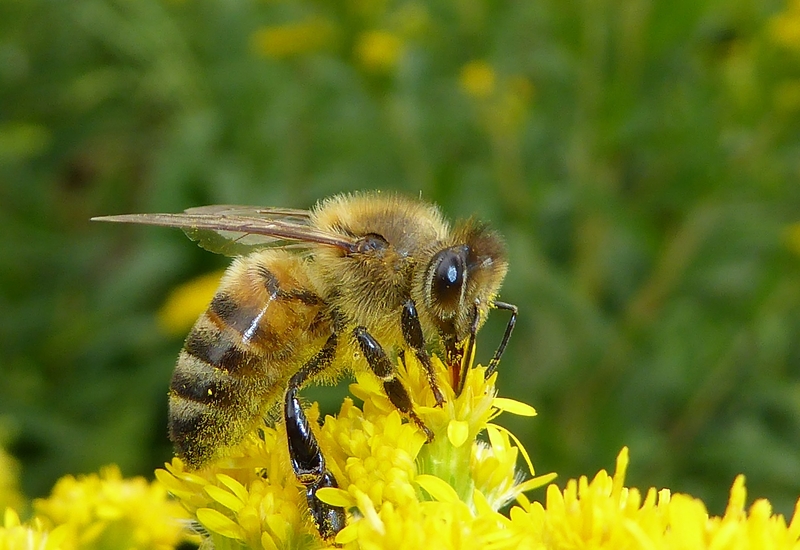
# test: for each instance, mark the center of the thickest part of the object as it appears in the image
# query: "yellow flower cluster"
(604, 514)
(455, 485)
(403, 493)
(99, 512)
(398, 491)
(251, 497)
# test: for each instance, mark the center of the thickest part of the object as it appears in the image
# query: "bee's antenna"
(506, 336)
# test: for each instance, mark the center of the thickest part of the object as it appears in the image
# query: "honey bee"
(353, 283)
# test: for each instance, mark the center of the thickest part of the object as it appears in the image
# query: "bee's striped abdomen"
(239, 354)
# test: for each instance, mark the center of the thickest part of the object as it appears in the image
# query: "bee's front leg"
(412, 334)
(305, 456)
(383, 368)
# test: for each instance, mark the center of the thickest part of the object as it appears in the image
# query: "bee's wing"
(273, 212)
(233, 230)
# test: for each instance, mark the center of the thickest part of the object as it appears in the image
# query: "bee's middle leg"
(305, 455)
(383, 368)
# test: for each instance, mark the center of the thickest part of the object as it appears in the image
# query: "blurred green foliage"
(641, 157)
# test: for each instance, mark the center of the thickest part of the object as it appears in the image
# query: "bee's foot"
(421, 425)
(437, 395)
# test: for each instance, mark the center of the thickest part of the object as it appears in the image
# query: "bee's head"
(461, 280)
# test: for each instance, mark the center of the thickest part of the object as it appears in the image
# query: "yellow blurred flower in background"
(106, 511)
(291, 39)
(15, 535)
(99, 512)
(478, 79)
(10, 495)
(378, 51)
(784, 28)
(187, 302)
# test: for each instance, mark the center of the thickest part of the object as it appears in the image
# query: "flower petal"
(521, 448)
(347, 535)
(513, 406)
(457, 432)
(438, 488)
(335, 497)
(236, 487)
(536, 482)
(219, 523)
(227, 499)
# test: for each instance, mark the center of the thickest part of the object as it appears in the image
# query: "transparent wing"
(235, 230)
(263, 212)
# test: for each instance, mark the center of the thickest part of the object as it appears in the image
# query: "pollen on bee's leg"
(463, 363)
(328, 519)
(399, 397)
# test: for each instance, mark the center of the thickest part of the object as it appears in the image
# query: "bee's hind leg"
(383, 368)
(305, 456)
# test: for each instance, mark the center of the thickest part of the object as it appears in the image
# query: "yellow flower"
(107, 511)
(249, 497)
(478, 79)
(187, 302)
(784, 28)
(399, 491)
(604, 514)
(292, 39)
(16, 536)
(10, 495)
(378, 51)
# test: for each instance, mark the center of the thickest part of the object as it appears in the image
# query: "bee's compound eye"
(448, 277)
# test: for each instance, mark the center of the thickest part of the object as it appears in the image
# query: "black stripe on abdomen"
(211, 346)
(199, 383)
